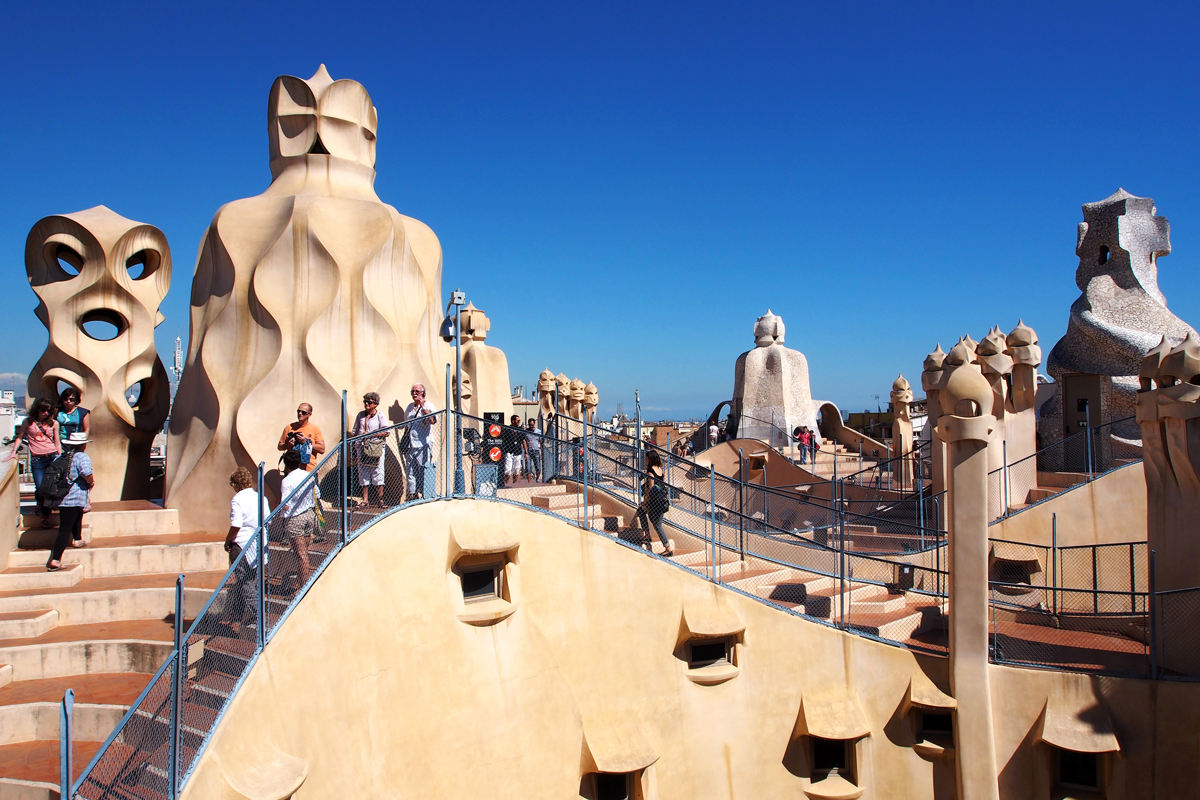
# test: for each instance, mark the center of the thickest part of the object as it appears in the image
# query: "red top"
(41, 439)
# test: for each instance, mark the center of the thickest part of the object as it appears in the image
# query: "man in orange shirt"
(304, 436)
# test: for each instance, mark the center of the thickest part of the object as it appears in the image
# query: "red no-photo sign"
(494, 431)
(494, 454)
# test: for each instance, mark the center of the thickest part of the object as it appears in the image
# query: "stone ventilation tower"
(902, 429)
(121, 271)
(1120, 315)
(771, 381)
(312, 287)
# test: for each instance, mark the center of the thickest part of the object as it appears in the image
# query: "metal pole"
(1152, 601)
(1132, 582)
(1004, 455)
(842, 556)
(586, 526)
(741, 505)
(344, 479)
(920, 503)
(176, 694)
(1095, 583)
(446, 485)
(460, 481)
(712, 520)
(555, 448)
(66, 749)
(937, 520)
(637, 452)
(262, 566)
(1054, 562)
(1087, 411)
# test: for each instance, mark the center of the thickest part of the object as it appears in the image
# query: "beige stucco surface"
(1110, 509)
(374, 687)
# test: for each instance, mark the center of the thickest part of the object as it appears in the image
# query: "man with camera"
(304, 437)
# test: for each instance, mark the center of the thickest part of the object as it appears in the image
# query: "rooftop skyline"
(624, 190)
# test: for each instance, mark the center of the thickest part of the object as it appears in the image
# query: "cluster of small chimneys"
(575, 399)
(996, 356)
(1165, 367)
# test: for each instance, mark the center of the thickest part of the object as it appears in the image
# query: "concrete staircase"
(100, 626)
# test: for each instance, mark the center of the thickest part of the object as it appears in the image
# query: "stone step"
(27, 624)
(881, 603)
(71, 650)
(33, 578)
(39, 538)
(554, 502)
(30, 721)
(522, 492)
(122, 518)
(29, 770)
(129, 597)
(128, 555)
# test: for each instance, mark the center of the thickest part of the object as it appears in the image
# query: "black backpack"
(56, 481)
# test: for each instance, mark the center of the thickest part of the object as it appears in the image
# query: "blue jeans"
(38, 465)
(803, 454)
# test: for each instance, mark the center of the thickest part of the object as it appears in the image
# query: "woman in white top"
(243, 522)
(370, 451)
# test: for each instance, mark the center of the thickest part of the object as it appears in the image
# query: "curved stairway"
(100, 626)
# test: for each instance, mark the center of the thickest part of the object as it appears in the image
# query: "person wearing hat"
(70, 510)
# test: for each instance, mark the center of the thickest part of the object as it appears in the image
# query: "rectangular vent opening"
(480, 584)
(707, 654)
(1078, 770)
(612, 786)
(937, 724)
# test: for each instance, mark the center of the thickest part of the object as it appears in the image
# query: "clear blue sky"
(625, 187)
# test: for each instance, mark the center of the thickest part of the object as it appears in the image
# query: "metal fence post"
(1132, 582)
(1004, 455)
(1054, 563)
(586, 526)
(712, 520)
(344, 477)
(176, 694)
(841, 491)
(1152, 602)
(446, 485)
(1095, 583)
(741, 505)
(1087, 411)
(937, 520)
(66, 749)
(262, 564)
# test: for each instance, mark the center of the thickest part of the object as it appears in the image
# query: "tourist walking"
(804, 440)
(299, 510)
(655, 502)
(370, 451)
(533, 449)
(72, 417)
(714, 434)
(420, 440)
(303, 435)
(70, 509)
(512, 444)
(244, 511)
(40, 432)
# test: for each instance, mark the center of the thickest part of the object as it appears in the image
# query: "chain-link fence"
(1087, 631)
(136, 759)
(1077, 459)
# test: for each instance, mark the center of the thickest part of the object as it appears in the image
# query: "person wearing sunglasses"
(370, 451)
(420, 436)
(304, 436)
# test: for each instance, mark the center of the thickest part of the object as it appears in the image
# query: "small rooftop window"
(482, 583)
(708, 653)
(1078, 770)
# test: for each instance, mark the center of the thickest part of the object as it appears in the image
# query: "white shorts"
(370, 476)
(512, 463)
